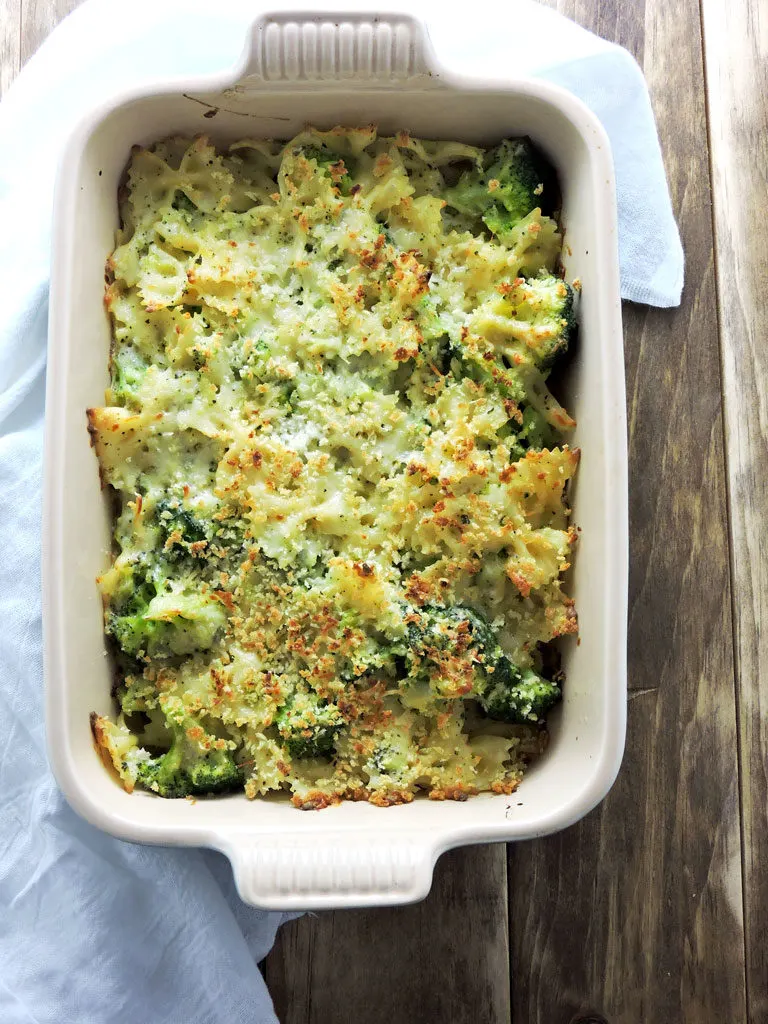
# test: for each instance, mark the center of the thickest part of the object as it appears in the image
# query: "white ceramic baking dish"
(327, 70)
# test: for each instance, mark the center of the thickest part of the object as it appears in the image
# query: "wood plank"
(445, 959)
(736, 46)
(38, 19)
(10, 41)
(616, 20)
(636, 912)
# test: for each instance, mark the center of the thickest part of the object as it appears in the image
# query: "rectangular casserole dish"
(326, 70)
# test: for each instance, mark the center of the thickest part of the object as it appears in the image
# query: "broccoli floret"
(134, 692)
(390, 759)
(540, 312)
(456, 641)
(173, 623)
(185, 771)
(504, 190)
(542, 320)
(134, 634)
(216, 772)
(535, 432)
(179, 526)
(430, 323)
(543, 309)
(518, 695)
(520, 174)
(308, 725)
(503, 690)
(490, 372)
(181, 201)
(189, 623)
(437, 628)
(250, 360)
(164, 774)
(331, 163)
(127, 369)
(152, 616)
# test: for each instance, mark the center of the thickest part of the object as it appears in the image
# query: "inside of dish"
(340, 479)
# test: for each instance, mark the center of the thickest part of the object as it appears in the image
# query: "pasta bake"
(340, 478)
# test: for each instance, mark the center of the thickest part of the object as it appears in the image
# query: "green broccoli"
(216, 772)
(430, 323)
(132, 587)
(250, 359)
(390, 759)
(185, 770)
(503, 690)
(190, 623)
(535, 432)
(155, 617)
(181, 201)
(127, 368)
(518, 695)
(172, 756)
(543, 309)
(505, 190)
(542, 320)
(540, 311)
(308, 725)
(492, 373)
(134, 635)
(180, 528)
(437, 628)
(331, 163)
(442, 639)
(134, 693)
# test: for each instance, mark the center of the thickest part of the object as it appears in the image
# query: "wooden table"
(653, 909)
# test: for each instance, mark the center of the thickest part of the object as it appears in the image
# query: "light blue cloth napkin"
(92, 930)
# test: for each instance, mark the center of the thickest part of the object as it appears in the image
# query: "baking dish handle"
(302, 47)
(330, 870)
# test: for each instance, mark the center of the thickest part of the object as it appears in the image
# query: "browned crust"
(102, 745)
(507, 786)
(390, 798)
(459, 792)
(315, 800)
(93, 430)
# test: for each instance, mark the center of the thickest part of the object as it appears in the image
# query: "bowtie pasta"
(340, 478)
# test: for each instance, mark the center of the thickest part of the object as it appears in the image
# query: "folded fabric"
(94, 930)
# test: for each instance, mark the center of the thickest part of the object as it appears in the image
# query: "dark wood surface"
(653, 909)
(637, 911)
(443, 961)
(736, 43)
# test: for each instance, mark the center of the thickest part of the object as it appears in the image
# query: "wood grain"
(444, 960)
(736, 38)
(637, 912)
(38, 19)
(10, 41)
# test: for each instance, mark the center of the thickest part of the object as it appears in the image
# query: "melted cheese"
(281, 368)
